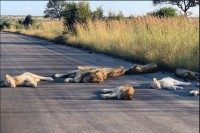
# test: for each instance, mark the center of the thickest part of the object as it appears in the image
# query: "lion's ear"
(186, 74)
(7, 76)
(154, 79)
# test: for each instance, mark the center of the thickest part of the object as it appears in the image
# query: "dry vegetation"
(170, 42)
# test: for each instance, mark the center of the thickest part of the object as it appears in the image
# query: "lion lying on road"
(124, 92)
(194, 92)
(186, 74)
(140, 69)
(167, 83)
(90, 74)
(27, 79)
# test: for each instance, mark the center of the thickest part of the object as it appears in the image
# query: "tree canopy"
(184, 5)
(55, 9)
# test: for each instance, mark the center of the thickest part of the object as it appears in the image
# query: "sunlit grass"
(47, 29)
(169, 42)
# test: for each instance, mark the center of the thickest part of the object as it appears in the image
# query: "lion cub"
(27, 78)
(167, 83)
(124, 92)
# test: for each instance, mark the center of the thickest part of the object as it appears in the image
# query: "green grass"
(169, 42)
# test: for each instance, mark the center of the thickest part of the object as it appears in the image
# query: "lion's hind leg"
(30, 82)
(87, 68)
(37, 77)
(109, 90)
(109, 95)
(70, 74)
(182, 83)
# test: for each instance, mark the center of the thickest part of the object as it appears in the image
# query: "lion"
(124, 92)
(194, 92)
(186, 74)
(110, 72)
(27, 79)
(140, 69)
(90, 74)
(167, 83)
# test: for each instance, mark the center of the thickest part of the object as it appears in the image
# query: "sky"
(36, 8)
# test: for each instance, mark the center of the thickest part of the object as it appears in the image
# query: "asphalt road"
(57, 107)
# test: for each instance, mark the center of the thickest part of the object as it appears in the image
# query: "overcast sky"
(36, 8)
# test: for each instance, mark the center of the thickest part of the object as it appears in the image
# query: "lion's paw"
(56, 75)
(69, 80)
(188, 84)
(102, 96)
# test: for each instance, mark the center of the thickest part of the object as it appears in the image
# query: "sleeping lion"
(124, 92)
(186, 74)
(90, 74)
(140, 69)
(194, 92)
(27, 79)
(167, 83)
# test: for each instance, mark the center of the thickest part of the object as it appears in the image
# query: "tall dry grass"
(170, 42)
(46, 29)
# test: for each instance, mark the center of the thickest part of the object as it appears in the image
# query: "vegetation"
(144, 39)
(168, 41)
(54, 9)
(98, 14)
(5, 24)
(28, 21)
(164, 12)
(76, 13)
(114, 16)
(184, 5)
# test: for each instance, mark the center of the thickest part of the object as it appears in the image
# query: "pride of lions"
(92, 74)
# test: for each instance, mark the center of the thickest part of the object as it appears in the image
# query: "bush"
(76, 13)
(28, 20)
(98, 14)
(114, 16)
(164, 12)
(5, 24)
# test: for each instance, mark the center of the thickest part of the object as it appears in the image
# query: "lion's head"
(9, 81)
(95, 77)
(191, 75)
(155, 84)
(126, 93)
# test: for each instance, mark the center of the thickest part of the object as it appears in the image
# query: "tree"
(76, 13)
(114, 16)
(98, 14)
(55, 9)
(120, 15)
(184, 5)
(164, 12)
(28, 20)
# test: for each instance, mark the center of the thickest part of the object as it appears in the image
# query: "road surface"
(57, 107)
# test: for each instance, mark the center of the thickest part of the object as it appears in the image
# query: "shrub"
(5, 24)
(76, 13)
(98, 14)
(114, 16)
(28, 20)
(164, 12)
